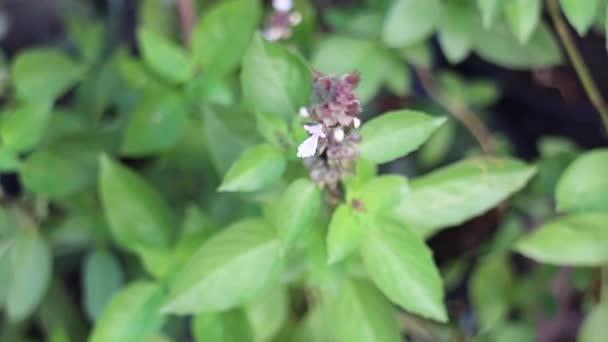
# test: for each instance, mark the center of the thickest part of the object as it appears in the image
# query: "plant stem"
(578, 62)
(187, 18)
(604, 284)
(459, 110)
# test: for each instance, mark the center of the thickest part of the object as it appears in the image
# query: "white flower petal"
(309, 147)
(282, 5)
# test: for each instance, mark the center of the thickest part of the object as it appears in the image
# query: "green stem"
(578, 62)
(604, 284)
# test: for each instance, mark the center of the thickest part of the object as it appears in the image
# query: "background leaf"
(402, 266)
(227, 270)
(523, 16)
(458, 192)
(163, 56)
(457, 29)
(575, 240)
(258, 167)
(30, 274)
(133, 314)
(228, 326)
(268, 313)
(296, 210)
(594, 327)
(21, 128)
(102, 277)
(362, 314)
(137, 214)
(274, 80)
(582, 186)
(395, 134)
(233, 21)
(410, 21)
(581, 14)
(344, 235)
(490, 10)
(490, 289)
(36, 82)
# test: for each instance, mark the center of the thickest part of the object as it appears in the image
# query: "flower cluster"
(279, 24)
(331, 150)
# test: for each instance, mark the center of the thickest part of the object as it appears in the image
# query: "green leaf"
(102, 276)
(227, 270)
(167, 59)
(156, 125)
(74, 164)
(133, 314)
(457, 29)
(228, 21)
(229, 326)
(573, 240)
(268, 313)
(9, 161)
(461, 191)
(362, 314)
(491, 285)
(42, 75)
(410, 21)
(594, 328)
(490, 10)
(136, 212)
(345, 234)
(258, 167)
(23, 127)
(395, 134)
(29, 276)
(437, 147)
(296, 210)
(418, 55)
(376, 64)
(274, 80)
(274, 130)
(402, 266)
(581, 14)
(498, 45)
(584, 186)
(523, 17)
(230, 126)
(382, 193)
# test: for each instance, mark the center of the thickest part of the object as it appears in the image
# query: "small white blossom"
(309, 147)
(282, 5)
(304, 112)
(356, 123)
(339, 134)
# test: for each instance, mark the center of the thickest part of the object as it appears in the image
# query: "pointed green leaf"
(258, 167)
(345, 234)
(458, 192)
(491, 285)
(296, 210)
(584, 186)
(229, 326)
(457, 29)
(499, 46)
(227, 270)
(74, 164)
(274, 80)
(137, 213)
(102, 276)
(395, 134)
(267, 313)
(362, 314)
(594, 328)
(133, 314)
(156, 125)
(410, 21)
(523, 16)
(574, 240)
(166, 58)
(402, 266)
(490, 10)
(228, 21)
(382, 193)
(42, 75)
(581, 13)
(29, 276)
(21, 128)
